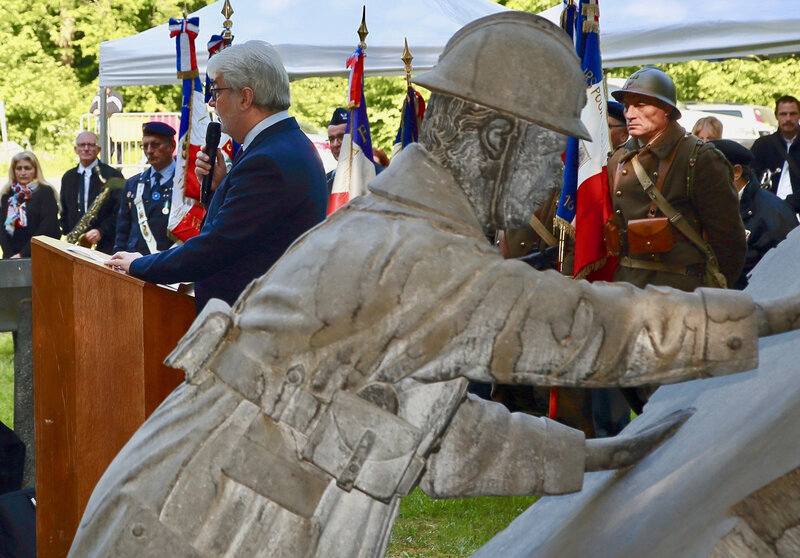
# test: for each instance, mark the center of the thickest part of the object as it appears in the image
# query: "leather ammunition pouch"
(652, 235)
(611, 237)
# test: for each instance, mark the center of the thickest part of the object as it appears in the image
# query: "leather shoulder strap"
(670, 212)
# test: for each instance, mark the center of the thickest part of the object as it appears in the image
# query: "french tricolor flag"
(355, 167)
(186, 213)
(585, 203)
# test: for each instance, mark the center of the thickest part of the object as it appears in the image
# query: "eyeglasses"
(86, 145)
(212, 91)
(152, 144)
(334, 139)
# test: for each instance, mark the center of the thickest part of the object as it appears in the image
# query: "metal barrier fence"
(125, 136)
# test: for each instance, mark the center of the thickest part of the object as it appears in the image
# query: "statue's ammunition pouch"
(651, 235)
(358, 438)
(366, 447)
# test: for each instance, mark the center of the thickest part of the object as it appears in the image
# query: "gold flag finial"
(407, 58)
(362, 30)
(227, 12)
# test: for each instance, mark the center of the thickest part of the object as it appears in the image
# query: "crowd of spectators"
(739, 202)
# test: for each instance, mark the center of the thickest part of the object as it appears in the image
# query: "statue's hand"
(621, 451)
(778, 316)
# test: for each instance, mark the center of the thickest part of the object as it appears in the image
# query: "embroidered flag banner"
(410, 120)
(585, 203)
(186, 213)
(355, 167)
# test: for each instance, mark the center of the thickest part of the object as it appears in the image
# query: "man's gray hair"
(257, 65)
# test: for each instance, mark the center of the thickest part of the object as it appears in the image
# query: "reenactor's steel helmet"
(651, 82)
(516, 63)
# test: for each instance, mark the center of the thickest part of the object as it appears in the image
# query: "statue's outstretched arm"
(488, 451)
(557, 331)
(778, 316)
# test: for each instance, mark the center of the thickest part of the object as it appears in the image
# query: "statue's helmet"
(516, 63)
(651, 82)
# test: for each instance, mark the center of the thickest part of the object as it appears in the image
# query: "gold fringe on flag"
(591, 13)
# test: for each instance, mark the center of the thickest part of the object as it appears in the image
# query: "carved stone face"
(532, 168)
(506, 167)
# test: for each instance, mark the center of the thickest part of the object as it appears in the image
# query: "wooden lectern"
(99, 341)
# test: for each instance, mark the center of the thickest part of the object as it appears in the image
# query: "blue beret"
(736, 153)
(157, 129)
(616, 111)
(340, 116)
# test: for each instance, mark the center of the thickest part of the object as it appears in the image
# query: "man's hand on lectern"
(121, 261)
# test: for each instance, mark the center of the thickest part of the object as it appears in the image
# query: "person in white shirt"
(777, 156)
(79, 188)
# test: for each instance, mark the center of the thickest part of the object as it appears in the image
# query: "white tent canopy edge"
(314, 37)
(639, 33)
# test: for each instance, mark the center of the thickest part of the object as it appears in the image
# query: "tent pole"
(104, 153)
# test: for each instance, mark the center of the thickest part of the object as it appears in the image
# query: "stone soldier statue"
(336, 383)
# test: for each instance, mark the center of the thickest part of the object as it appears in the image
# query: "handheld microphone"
(213, 133)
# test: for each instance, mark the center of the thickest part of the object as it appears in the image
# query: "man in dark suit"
(779, 153)
(273, 193)
(767, 219)
(144, 209)
(79, 188)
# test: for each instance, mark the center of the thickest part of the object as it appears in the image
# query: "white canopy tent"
(314, 37)
(638, 33)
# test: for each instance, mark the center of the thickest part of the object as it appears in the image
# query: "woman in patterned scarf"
(28, 207)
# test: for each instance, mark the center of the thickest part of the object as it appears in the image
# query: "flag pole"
(362, 36)
(407, 58)
(227, 12)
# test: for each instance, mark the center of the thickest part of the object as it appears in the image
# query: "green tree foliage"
(533, 6)
(749, 81)
(50, 65)
(313, 101)
(51, 59)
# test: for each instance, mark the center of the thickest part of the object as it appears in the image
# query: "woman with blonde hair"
(708, 128)
(28, 207)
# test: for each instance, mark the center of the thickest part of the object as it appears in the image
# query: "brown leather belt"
(694, 270)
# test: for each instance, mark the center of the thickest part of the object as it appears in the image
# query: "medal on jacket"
(155, 196)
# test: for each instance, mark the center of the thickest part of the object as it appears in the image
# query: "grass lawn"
(425, 528)
(7, 379)
(429, 528)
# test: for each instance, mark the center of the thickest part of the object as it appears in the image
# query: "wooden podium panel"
(99, 341)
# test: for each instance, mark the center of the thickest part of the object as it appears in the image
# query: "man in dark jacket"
(778, 155)
(79, 188)
(767, 219)
(274, 192)
(144, 208)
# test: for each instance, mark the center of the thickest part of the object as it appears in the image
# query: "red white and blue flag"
(355, 167)
(186, 212)
(585, 203)
(218, 43)
(410, 120)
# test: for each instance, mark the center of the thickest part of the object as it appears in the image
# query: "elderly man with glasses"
(272, 194)
(79, 188)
